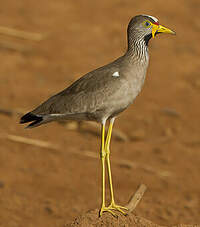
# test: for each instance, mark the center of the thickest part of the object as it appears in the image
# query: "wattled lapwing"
(102, 94)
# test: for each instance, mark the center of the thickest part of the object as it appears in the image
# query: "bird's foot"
(106, 209)
(112, 207)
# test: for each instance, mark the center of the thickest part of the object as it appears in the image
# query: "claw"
(111, 207)
(107, 209)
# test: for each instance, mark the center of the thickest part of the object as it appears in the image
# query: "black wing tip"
(30, 117)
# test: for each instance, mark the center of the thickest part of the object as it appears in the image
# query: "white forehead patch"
(116, 74)
(153, 18)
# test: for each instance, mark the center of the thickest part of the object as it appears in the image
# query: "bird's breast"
(135, 80)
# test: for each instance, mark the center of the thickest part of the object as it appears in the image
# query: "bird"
(102, 94)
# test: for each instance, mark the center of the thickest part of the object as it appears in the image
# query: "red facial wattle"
(156, 23)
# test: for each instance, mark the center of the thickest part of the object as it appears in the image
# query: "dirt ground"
(50, 186)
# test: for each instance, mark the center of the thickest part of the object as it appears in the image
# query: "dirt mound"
(92, 219)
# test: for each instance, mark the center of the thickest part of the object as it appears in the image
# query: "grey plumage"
(99, 95)
(103, 93)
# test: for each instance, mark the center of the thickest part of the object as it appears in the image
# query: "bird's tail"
(34, 119)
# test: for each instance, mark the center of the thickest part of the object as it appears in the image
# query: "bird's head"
(145, 27)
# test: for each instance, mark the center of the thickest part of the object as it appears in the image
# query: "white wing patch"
(115, 74)
(153, 18)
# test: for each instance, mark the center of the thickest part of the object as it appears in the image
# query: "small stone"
(49, 210)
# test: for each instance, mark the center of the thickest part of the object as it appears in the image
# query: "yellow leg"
(103, 155)
(112, 205)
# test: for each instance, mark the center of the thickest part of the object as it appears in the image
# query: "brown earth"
(50, 187)
(91, 219)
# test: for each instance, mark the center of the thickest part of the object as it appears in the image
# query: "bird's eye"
(147, 24)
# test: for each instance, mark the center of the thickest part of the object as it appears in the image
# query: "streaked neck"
(138, 49)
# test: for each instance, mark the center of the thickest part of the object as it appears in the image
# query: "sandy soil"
(50, 187)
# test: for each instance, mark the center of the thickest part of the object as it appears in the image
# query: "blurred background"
(51, 174)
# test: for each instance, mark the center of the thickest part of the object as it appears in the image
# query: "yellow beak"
(161, 29)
